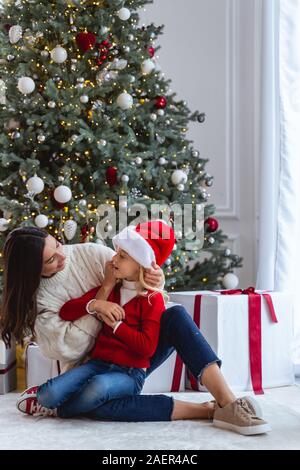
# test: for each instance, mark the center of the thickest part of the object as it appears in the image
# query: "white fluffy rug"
(281, 408)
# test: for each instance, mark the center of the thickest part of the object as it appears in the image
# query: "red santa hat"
(147, 242)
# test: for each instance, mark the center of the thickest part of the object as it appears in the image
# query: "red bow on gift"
(255, 343)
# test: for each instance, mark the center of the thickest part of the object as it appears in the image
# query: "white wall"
(210, 50)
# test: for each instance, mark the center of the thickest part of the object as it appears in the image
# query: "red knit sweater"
(136, 338)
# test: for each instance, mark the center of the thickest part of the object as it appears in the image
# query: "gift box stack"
(8, 368)
(251, 332)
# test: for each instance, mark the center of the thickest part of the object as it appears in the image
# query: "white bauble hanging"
(26, 85)
(162, 161)
(35, 185)
(125, 101)
(230, 281)
(124, 14)
(70, 227)
(147, 66)
(179, 176)
(3, 225)
(84, 99)
(41, 221)
(125, 178)
(59, 55)
(62, 194)
(15, 34)
(138, 160)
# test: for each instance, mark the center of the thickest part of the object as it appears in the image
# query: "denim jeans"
(89, 386)
(177, 332)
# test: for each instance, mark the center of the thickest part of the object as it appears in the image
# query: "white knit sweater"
(69, 342)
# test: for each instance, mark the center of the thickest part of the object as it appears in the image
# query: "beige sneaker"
(238, 417)
(253, 405)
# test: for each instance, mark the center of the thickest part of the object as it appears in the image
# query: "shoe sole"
(23, 397)
(244, 430)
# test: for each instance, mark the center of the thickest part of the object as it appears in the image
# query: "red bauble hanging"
(160, 102)
(84, 233)
(211, 224)
(103, 51)
(85, 41)
(111, 176)
(151, 51)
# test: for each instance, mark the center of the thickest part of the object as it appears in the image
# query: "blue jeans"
(177, 332)
(84, 388)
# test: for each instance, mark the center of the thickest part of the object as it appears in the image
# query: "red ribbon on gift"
(255, 343)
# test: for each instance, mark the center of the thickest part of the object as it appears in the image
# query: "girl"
(121, 355)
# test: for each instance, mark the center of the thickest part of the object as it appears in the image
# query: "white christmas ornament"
(35, 185)
(26, 85)
(84, 99)
(230, 281)
(59, 55)
(162, 161)
(124, 14)
(41, 221)
(125, 101)
(15, 34)
(125, 178)
(70, 227)
(62, 194)
(179, 176)
(147, 66)
(3, 225)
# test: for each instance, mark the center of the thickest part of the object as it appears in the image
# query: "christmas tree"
(89, 129)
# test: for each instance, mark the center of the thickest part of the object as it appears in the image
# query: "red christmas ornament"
(84, 233)
(111, 176)
(103, 49)
(85, 41)
(211, 224)
(160, 102)
(151, 51)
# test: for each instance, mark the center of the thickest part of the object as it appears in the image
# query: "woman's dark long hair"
(23, 264)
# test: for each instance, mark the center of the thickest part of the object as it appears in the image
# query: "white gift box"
(161, 379)
(39, 368)
(8, 368)
(224, 323)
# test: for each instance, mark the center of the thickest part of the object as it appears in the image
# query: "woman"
(40, 275)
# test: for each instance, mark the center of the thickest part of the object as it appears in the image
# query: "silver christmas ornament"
(10, 57)
(180, 187)
(102, 142)
(227, 252)
(16, 135)
(51, 104)
(162, 161)
(211, 240)
(153, 116)
(195, 153)
(138, 160)
(41, 138)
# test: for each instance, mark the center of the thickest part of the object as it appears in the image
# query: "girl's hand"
(109, 277)
(108, 321)
(108, 310)
(154, 276)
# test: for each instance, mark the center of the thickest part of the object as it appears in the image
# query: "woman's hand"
(154, 276)
(107, 310)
